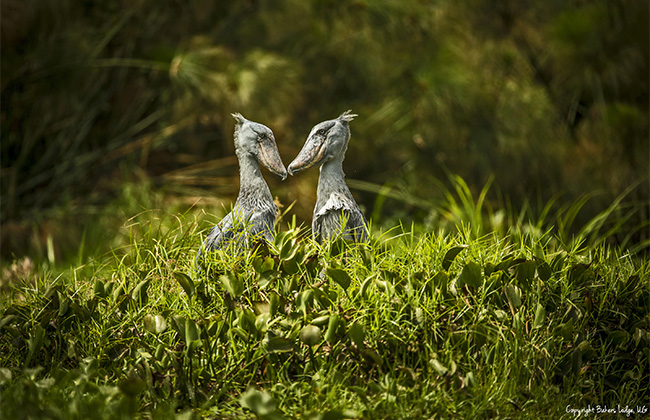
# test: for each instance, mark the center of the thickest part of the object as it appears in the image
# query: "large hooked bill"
(269, 156)
(311, 154)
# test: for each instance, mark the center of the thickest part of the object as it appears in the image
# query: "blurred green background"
(110, 108)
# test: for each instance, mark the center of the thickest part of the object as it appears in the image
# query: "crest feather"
(239, 117)
(347, 116)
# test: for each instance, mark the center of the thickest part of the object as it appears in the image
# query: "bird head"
(257, 140)
(326, 141)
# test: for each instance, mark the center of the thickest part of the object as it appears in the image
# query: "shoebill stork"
(253, 215)
(336, 212)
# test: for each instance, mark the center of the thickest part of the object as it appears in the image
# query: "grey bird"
(253, 215)
(336, 213)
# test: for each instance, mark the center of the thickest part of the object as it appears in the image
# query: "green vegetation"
(500, 153)
(548, 99)
(407, 326)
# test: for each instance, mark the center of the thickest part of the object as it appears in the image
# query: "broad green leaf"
(192, 332)
(357, 335)
(618, 338)
(513, 293)
(525, 272)
(365, 287)
(278, 344)
(260, 403)
(186, 282)
(139, 293)
(470, 381)
(450, 256)
(132, 385)
(540, 316)
(178, 323)
(262, 322)
(471, 275)
(321, 320)
(341, 277)
(274, 304)
(98, 288)
(7, 320)
(544, 271)
(310, 335)
(35, 343)
(154, 323)
(333, 325)
(586, 350)
(438, 367)
(247, 320)
(263, 264)
(565, 330)
(5, 376)
(508, 263)
(232, 284)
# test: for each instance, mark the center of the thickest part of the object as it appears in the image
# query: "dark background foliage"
(546, 100)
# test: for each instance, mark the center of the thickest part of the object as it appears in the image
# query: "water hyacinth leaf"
(98, 289)
(278, 344)
(290, 266)
(232, 284)
(7, 320)
(274, 304)
(263, 264)
(586, 350)
(513, 294)
(192, 332)
(507, 263)
(186, 282)
(320, 321)
(365, 287)
(35, 343)
(357, 335)
(471, 275)
(262, 322)
(470, 380)
(267, 277)
(525, 272)
(565, 330)
(544, 271)
(579, 274)
(247, 320)
(438, 367)
(288, 250)
(310, 335)
(341, 277)
(450, 256)
(155, 323)
(132, 385)
(139, 293)
(260, 403)
(333, 325)
(540, 316)
(517, 321)
(618, 338)
(5, 376)
(178, 323)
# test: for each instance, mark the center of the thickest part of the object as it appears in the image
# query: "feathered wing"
(340, 215)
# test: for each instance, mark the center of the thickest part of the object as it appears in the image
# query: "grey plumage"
(254, 212)
(336, 212)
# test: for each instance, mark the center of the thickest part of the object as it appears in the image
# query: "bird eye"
(321, 132)
(262, 136)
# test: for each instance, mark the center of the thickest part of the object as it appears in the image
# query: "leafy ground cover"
(430, 325)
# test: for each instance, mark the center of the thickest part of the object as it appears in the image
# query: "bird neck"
(251, 181)
(332, 179)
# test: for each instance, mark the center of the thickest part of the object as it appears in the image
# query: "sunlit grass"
(409, 325)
